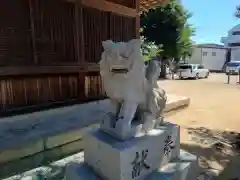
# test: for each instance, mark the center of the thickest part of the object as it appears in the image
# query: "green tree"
(237, 13)
(185, 44)
(167, 26)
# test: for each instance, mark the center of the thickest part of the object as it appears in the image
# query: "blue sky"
(211, 18)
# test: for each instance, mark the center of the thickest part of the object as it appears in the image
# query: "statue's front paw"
(122, 126)
(149, 124)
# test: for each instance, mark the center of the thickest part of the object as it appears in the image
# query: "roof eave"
(145, 5)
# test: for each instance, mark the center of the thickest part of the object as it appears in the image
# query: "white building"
(211, 56)
(232, 41)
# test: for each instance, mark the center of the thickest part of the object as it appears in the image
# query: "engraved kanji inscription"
(139, 163)
(169, 145)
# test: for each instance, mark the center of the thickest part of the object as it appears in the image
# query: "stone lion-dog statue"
(135, 96)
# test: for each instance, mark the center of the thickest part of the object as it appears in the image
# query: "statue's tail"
(152, 71)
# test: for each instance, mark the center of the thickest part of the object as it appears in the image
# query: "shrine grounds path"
(211, 123)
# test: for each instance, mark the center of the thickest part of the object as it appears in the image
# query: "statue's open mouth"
(119, 70)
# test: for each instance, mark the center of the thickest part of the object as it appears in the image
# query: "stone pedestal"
(130, 159)
(153, 156)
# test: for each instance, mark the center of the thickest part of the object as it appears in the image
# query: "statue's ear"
(107, 44)
(135, 43)
(133, 46)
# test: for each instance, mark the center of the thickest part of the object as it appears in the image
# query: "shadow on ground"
(54, 173)
(48, 172)
(218, 152)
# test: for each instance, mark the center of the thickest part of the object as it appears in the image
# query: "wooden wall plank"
(55, 88)
(80, 34)
(33, 32)
(35, 91)
(31, 91)
(95, 24)
(55, 32)
(15, 34)
(109, 26)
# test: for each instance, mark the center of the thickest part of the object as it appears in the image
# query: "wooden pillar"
(138, 19)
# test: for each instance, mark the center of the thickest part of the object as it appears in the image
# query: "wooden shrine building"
(49, 49)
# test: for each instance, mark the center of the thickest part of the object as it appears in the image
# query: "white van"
(232, 67)
(192, 71)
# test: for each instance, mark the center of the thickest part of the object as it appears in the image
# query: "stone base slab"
(185, 167)
(173, 171)
(74, 169)
(182, 169)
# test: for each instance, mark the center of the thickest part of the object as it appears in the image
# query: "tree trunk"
(163, 70)
(163, 73)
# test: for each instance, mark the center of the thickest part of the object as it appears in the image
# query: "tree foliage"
(167, 25)
(149, 49)
(237, 13)
(185, 43)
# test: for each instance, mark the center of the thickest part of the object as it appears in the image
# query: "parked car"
(232, 68)
(192, 71)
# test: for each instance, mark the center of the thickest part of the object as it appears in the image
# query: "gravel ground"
(210, 125)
